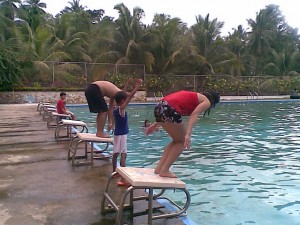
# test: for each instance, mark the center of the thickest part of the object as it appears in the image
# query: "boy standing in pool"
(95, 93)
(168, 113)
(121, 127)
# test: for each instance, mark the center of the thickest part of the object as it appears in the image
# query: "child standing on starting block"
(121, 127)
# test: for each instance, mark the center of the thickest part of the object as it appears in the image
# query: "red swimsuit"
(184, 102)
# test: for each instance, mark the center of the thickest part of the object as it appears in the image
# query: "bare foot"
(156, 171)
(167, 174)
(102, 135)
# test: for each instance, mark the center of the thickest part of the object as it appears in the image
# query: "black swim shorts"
(95, 99)
(163, 112)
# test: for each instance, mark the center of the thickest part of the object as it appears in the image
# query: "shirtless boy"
(95, 93)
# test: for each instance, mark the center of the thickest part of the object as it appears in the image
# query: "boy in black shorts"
(95, 93)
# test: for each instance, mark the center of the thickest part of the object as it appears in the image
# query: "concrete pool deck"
(38, 184)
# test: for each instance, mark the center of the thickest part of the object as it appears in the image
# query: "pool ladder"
(158, 98)
(252, 96)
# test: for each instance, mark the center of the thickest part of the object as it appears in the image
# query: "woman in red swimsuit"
(168, 113)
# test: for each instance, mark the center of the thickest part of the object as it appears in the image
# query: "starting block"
(68, 124)
(40, 106)
(55, 118)
(145, 178)
(87, 138)
(47, 110)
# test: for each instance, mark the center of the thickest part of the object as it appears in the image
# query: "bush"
(10, 69)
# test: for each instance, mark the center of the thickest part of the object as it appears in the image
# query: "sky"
(231, 12)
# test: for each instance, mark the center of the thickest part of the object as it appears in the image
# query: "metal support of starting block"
(144, 178)
(55, 119)
(87, 138)
(41, 105)
(47, 110)
(80, 126)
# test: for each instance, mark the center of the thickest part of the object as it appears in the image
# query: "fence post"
(86, 75)
(53, 76)
(116, 69)
(144, 75)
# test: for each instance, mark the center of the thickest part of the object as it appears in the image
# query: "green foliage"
(37, 44)
(118, 79)
(37, 87)
(159, 83)
(10, 69)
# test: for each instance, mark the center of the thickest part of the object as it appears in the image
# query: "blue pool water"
(243, 167)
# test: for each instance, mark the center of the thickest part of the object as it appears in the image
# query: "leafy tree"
(33, 12)
(205, 39)
(127, 46)
(96, 15)
(281, 64)
(70, 37)
(270, 39)
(75, 6)
(10, 69)
(239, 57)
(9, 8)
(163, 41)
(8, 31)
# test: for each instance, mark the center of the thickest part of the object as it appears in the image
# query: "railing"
(158, 98)
(252, 96)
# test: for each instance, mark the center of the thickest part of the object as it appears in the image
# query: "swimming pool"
(243, 167)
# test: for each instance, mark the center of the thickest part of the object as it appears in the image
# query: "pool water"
(243, 167)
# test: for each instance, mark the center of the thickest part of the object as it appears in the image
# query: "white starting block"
(68, 124)
(87, 138)
(145, 178)
(40, 106)
(55, 118)
(47, 110)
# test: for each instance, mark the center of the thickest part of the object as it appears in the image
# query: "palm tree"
(33, 12)
(207, 44)
(261, 35)
(75, 6)
(163, 37)
(266, 31)
(8, 30)
(282, 64)
(36, 6)
(127, 45)
(9, 8)
(237, 45)
(69, 40)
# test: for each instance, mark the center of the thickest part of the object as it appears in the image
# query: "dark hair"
(145, 122)
(214, 98)
(62, 94)
(119, 96)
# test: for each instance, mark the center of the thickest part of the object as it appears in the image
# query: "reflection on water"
(243, 167)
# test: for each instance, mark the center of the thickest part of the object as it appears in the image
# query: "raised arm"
(138, 83)
(127, 84)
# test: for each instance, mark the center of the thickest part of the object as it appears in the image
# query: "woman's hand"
(151, 129)
(187, 142)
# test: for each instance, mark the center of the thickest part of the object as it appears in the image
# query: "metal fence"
(78, 74)
(225, 84)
